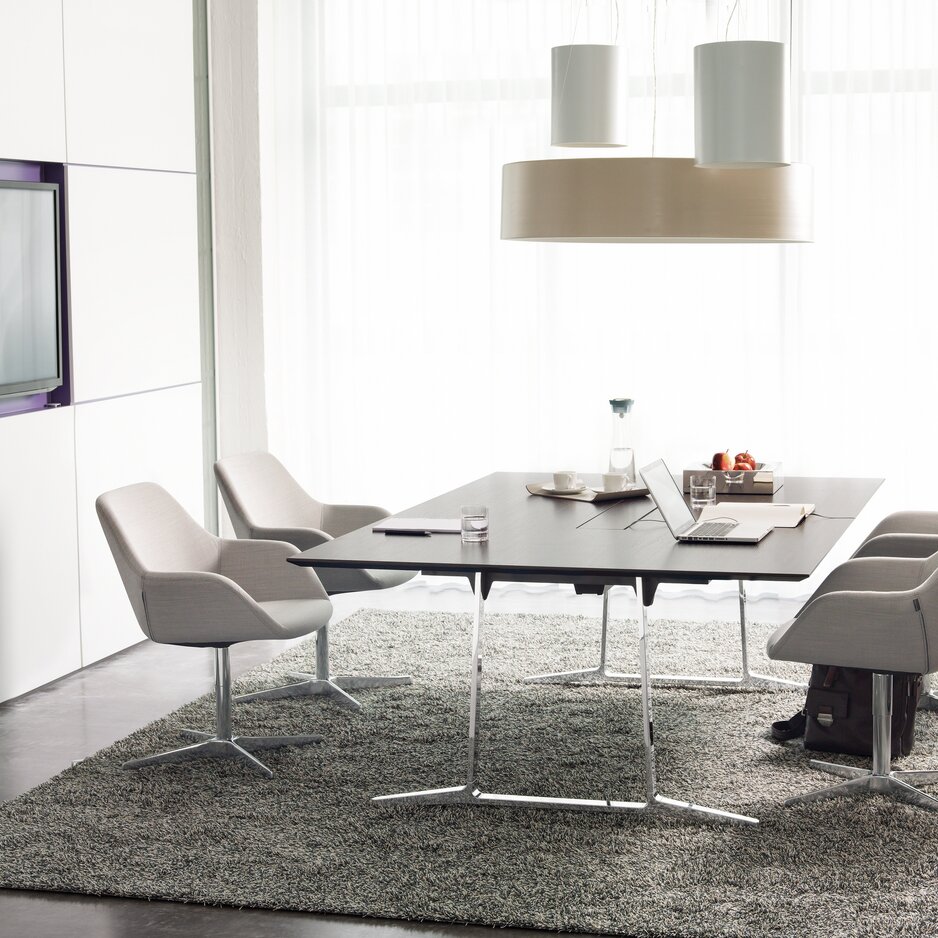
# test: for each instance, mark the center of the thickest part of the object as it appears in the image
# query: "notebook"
(772, 514)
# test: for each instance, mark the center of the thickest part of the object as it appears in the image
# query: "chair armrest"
(875, 630)
(196, 608)
(907, 522)
(340, 519)
(300, 538)
(871, 574)
(899, 545)
(260, 568)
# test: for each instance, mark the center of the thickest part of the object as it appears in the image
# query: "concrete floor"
(43, 732)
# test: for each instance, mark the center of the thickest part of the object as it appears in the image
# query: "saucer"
(625, 491)
(549, 487)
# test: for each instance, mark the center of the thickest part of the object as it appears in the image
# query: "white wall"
(160, 436)
(32, 93)
(105, 86)
(39, 624)
(134, 281)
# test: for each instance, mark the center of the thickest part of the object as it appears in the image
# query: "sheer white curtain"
(409, 349)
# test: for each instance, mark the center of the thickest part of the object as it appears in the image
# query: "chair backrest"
(148, 531)
(260, 493)
(927, 598)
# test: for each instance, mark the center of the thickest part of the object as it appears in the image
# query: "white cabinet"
(134, 298)
(129, 81)
(154, 437)
(32, 88)
(39, 626)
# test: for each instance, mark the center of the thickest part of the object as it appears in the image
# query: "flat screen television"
(30, 288)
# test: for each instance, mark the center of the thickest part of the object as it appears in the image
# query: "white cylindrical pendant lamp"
(648, 199)
(741, 104)
(588, 96)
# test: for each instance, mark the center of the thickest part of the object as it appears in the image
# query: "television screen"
(30, 325)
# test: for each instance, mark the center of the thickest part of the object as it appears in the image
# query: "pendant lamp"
(741, 104)
(653, 199)
(588, 96)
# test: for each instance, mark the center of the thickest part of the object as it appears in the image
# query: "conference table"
(594, 546)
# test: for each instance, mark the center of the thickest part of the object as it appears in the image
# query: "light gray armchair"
(879, 614)
(188, 587)
(906, 534)
(265, 501)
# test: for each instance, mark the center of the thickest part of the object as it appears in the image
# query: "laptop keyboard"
(713, 529)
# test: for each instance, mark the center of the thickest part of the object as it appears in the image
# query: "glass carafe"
(621, 454)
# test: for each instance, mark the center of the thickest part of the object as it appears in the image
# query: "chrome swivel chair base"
(333, 687)
(221, 744)
(881, 778)
(324, 684)
(898, 784)
(602, 674)
(211, 747)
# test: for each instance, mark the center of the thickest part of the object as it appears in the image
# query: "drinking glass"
(734, 476)
(475, 523)
(703, 491)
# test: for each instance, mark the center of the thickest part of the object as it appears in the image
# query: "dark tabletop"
(550, 539)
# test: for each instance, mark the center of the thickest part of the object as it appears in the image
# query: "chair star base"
(210, 746)
(881, 778)
(308, 685)
(325, 684)
(221, 744)
(859, 781)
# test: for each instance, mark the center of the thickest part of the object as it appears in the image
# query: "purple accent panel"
(20, 405)
(20, 172)
(55, 172)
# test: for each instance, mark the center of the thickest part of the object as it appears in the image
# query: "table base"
(465, 794)
(471, 794)
(601, 674)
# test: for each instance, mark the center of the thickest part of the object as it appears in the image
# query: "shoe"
(794, 728)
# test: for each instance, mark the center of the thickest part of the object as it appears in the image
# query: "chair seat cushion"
(298, 616)
(356, 581)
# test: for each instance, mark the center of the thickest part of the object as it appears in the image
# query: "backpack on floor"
(838, 712)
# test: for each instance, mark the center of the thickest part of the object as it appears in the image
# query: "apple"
(722, 461)
(744, 466)
(746, 457)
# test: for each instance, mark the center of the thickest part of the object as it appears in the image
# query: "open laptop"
(680, 520)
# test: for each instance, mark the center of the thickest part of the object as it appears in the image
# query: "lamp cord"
(729, 19)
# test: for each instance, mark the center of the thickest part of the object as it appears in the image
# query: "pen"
(409, 533)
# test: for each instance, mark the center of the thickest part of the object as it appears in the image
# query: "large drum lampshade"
(648, 199)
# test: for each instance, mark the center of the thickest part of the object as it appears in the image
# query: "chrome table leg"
(602, 675)
(325, 684)
(654, 801)
(750, 678)
(461, 794)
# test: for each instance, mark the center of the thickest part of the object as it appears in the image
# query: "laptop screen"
(667, 496)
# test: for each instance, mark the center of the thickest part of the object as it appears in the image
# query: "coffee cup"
(614, 481)
(565, 479)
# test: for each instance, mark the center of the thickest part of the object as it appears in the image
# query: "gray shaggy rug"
(209, 832)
